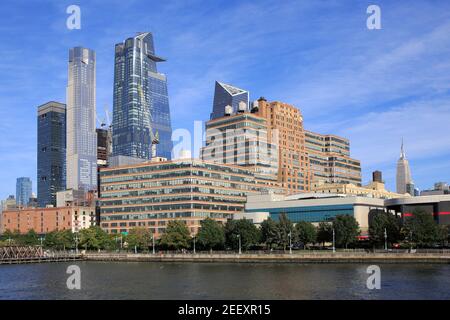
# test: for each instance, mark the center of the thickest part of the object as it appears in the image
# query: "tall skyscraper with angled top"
(228, 95)
(81, 152)
(141, 113)
(405, 183)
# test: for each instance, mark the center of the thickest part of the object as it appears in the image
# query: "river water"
(154, 280)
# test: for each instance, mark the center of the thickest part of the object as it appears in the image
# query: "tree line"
(419, 230)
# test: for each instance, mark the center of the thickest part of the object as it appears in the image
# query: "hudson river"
(154, 280)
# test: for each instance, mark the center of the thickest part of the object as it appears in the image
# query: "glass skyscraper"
(141, 104)
(81, 150)
(225, 94)
(23, 191)
(51, 152)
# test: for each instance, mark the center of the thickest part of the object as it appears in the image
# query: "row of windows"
(174, 165)
(172, 207)
(186, 198)
(166, 215)
(168, 191)
(180, 173)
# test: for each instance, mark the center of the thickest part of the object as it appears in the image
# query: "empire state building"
(404, 180)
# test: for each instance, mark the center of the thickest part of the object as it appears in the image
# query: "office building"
(286, 122)
(405, 183)
(24, 188)
(242, 139)
(153, 193)
(45, 220)
(51, 152)
(7, 204)
(81, 147)
(227, 95)
(141, 114)
(104, 147)
(330, 160)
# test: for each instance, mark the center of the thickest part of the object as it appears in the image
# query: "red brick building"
(44, 220)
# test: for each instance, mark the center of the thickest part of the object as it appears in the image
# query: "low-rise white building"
(311, 207)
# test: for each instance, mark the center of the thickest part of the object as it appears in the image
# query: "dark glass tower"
(225, 94)
(51, 152)
(141, 105)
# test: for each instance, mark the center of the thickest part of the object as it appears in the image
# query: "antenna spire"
(402, 151)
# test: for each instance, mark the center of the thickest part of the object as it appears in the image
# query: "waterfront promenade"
(297, 256)
(432, 256)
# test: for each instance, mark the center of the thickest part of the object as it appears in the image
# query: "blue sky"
(371, 86)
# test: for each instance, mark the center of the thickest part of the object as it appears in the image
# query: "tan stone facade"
(293, 162)
(374, 190)
(242, 139)
(330, 160)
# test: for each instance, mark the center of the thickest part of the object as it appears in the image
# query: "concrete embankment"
(276, 258)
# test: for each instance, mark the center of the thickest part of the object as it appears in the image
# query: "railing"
(19, 252)
(31, 254)
(281, 252)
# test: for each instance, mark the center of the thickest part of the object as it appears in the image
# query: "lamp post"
(410, 240)
(153, 243)
(239, 238)
(385, 239)
(76, 243)
(194, 244)
(334, 241)
(41, 239)
(290, 242)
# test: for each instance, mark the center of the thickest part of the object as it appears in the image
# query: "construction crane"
(106, 124)
(153, 136)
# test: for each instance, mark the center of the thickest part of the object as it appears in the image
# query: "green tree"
(29, 239)
(424, 230)
(211, 234)
(7, 235)
(94, 238)
(385, 221)
(139, 237)
(269, 232)
(50, 240)
(346, 229)
(244, 229)
(324, 232)
(284, 228)
(177, 236)
(305, 233)
(59, 240)
(443, 234)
